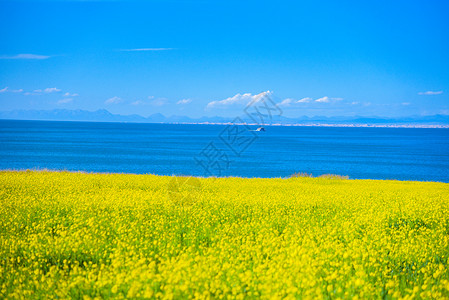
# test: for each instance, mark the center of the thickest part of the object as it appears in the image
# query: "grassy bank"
(109, 235)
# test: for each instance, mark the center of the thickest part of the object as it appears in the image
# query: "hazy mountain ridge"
(103, 115)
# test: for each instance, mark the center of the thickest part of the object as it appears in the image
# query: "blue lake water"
(219, 150)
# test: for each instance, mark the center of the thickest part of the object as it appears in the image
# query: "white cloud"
(51, 90)
(405, 103)
(184, 101)
(304, 100)
(430, 93)
(138, 102)
(286, 102)
(148, 49)
(47, 91)
(141, 102)
(324, 99)
(238, 99)
(6, 89)
(70, 95)
(113, 100)
(25, 56)
(290, 101)
(159, 102)
(65, 101)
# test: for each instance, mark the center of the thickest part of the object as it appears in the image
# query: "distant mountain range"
(103, 115)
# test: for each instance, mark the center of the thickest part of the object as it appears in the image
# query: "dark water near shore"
(205, 150)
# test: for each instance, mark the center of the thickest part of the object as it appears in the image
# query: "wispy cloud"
(287, 102)
(238, 99)
(304, 100)
(184, 101)
(430, 93)
(65, 101)
(147, 49)
(138, 102)
(70, 95)
(291, 102)
(324, 99)
(47, 91)
(51, 90)
(7, 89)
(25, 56)
(113, 100)
(159, 102)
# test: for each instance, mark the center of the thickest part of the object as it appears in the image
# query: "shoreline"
(344, 125)
(323, 176)
(322, 125)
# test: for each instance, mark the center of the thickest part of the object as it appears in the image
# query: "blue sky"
(195, 58)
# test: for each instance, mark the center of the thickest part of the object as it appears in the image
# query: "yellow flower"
(114, 289)
(68, 235)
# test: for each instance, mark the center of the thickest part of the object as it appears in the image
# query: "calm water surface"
(204, 150)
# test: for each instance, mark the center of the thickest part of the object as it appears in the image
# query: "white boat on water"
(260, 129)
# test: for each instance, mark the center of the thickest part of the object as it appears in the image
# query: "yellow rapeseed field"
(75, 235)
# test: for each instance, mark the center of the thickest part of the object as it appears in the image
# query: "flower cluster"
(74, 235)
